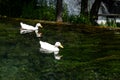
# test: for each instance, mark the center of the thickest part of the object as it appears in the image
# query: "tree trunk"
(94, 10)
(84, 7)
(59, 11)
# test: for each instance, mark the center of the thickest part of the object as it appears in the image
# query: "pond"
(86, 55)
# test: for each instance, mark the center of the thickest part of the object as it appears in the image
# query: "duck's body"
(49, 48)
(25, 28)
(45, 51)
(29, 27)
(56, 55)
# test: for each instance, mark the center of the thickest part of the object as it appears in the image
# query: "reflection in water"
(24, 31)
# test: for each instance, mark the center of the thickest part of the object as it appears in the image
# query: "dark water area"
(86, 55)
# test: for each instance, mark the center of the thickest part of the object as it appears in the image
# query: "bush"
(29, 12)
(32, 11)
(45, 12)
(79, 19)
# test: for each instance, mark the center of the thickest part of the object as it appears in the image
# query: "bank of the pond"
(77, 27)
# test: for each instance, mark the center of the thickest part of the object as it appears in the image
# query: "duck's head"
(39, 25)
(58, 44)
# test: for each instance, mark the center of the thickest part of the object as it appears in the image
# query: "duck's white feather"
(45, 51)
(28, 27)
(48, 46)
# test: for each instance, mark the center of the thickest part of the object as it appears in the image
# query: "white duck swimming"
(29, 27)
(25, 28)
(49, 48)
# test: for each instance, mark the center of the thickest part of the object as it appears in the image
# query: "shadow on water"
(86, 56)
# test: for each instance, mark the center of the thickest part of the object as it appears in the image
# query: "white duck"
(25, 28)
(29, 27)
(49, 48)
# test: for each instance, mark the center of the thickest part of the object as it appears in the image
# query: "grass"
(86, 56)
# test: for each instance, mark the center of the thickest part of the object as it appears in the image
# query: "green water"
(86, 55)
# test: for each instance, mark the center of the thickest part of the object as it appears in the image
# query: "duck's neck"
(36, 27)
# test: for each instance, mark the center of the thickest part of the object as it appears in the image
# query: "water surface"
(86, 55)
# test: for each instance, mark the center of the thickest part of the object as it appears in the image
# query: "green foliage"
(38, 12)
(65, 14)
(75, 18)
(78, 19)
(110, 23)
(29, 11)
(46, 13)
(10, 8)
